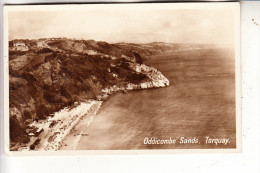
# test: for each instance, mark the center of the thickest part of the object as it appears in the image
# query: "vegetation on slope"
(46, 75)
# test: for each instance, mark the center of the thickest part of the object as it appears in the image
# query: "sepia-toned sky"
(125, 25)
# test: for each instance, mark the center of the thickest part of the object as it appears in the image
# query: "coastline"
(192, 106)
(56, 128)
(156, 80)
(64, 130)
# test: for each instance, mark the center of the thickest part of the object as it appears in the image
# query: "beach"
(195, 110)
(199, 103)
(55, 130)
(64, 129)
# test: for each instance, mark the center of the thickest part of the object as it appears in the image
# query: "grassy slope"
(61, 71)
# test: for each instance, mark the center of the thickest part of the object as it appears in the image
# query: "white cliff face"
(157, 79)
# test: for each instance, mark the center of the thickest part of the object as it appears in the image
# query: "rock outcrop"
(50, 74)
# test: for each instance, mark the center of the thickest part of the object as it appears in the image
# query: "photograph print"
(122, 77)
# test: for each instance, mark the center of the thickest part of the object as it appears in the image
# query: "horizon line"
(121, 42)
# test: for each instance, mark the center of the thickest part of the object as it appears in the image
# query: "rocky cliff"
(46, 75)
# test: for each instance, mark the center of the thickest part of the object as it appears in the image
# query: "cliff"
(46, 75)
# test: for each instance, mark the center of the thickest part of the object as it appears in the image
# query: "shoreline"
(65, 120)
(156, 80)
(65, 128)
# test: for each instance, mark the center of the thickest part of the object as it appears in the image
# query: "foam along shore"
(56, 128)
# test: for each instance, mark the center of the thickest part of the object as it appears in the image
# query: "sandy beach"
(199, 103)
(65, 129)
(55, 129)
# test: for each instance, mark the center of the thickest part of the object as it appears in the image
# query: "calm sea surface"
(199, 102)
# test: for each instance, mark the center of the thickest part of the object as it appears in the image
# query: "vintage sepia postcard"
(122, 78)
